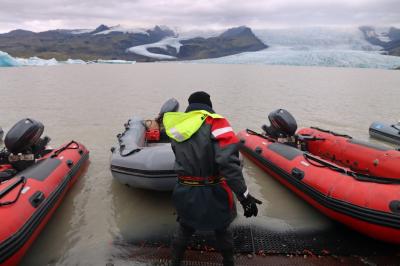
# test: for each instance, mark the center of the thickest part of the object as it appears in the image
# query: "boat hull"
(369, 208)
(143, 165)
(39, 191)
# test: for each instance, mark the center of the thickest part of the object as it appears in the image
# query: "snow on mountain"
(81, 31)
(123, 29)
(163, 44)
(380, 33)
(189, 34)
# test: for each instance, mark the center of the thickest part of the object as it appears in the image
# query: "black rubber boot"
(225, 245)
(179, 243)
(177, 255)
(228, 257)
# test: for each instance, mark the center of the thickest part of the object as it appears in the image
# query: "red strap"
(229, 192)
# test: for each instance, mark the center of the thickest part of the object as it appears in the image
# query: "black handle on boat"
(252, 132)
(57, 152)
(396, 127)
(308, 138)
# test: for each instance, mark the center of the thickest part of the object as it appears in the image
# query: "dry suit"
(208, 167)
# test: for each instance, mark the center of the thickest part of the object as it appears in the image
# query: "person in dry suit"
(208, 167)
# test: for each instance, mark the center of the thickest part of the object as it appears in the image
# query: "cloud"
(50, 14)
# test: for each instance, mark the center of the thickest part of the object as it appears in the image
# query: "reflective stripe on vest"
(181, 126)
(221, 131)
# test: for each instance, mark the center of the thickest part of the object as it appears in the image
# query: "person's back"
(208, 168)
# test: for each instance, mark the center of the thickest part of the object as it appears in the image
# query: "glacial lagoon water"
(90, 103)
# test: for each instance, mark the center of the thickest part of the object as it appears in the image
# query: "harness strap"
(199, 180)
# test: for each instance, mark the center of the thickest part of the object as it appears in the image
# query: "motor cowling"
(283, 124)
(23, 135)
(172, 105)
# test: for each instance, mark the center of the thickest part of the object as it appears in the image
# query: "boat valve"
(70, 163)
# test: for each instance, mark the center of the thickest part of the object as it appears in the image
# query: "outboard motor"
(283, 126)
(24, 143)
(172, 105)
(1, 135)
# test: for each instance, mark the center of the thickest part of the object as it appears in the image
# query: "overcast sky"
(39, 15)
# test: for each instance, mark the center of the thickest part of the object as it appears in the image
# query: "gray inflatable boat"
(140, 163)
(385, 132)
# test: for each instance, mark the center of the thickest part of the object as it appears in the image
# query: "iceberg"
(7, 61)
(36, 61)
(75, 62)
(101, 61)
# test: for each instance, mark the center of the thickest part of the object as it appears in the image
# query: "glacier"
(163, 44)
(314, 46)
(326, 58)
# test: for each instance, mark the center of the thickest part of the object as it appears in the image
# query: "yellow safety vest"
(181, 126)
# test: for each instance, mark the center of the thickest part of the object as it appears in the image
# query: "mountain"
(117, 42)
(232, 41)
(100, 29)
(103, 42)
(387, 38)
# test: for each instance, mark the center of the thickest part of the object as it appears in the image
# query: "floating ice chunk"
(75, 62)
(36, 61)
(101, 61)
(7, 61)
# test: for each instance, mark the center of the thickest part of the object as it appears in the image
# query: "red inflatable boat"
(359, 156)
(355, 183)
(29, 198)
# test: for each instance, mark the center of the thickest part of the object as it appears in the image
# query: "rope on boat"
(66, 147)
(21, 180)
(333, 133)
(355, 175)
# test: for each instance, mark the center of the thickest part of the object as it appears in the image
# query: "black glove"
(249, 206)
